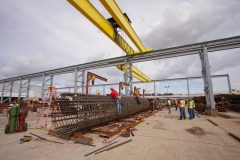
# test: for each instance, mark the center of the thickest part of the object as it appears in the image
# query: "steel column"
(83, 81)
(28, 88)
(75, 79)
(154, 85)
(104, 92)
(51, 80)
(229, 84)
(3, 86)
(130, 79)
(11, 89)
(188, 88)
(43, 86)
(208, 87)
(20, 88)
(126, 76)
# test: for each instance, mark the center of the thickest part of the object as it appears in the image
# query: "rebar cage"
(75, 112)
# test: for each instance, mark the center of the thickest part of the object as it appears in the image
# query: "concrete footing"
(213, 112)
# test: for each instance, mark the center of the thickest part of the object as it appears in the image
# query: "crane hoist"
(109, 28)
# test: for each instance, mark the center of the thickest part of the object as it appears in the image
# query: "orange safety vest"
(136, 92)
(182, 103)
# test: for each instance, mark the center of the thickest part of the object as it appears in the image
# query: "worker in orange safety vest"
(182, 109)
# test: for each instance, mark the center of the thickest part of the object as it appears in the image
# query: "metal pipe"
(117, 145)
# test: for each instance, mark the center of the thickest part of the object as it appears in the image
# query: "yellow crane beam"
(112, 7)
(137, 73)
(90, 12)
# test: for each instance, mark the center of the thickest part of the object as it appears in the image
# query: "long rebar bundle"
(75, 112)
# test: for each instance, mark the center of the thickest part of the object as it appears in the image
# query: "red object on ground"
(113, 94)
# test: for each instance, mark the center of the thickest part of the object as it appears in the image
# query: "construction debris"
(100, 148)
(123, 126)
(82, 139)
(117, 145)
(45, 138)
(224, 102)
(25, 139)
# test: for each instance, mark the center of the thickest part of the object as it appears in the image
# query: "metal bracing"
(208, 87)
(77, 76)
(46, 81)
(162, 80)
(215, 45)
(7, 89)
(24, 88)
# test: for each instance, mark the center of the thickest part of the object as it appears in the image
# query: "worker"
(97, 92)
(115, 97)
(136, 94)
(190, 108)
(169, 104)
(182, 109)
(194, 111)
(93, 79)
(176, 103)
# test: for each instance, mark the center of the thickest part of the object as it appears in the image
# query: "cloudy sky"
(40, 35)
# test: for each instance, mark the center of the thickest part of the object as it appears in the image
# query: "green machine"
(13, 119)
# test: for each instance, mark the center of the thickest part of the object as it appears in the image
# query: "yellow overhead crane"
(89, 11)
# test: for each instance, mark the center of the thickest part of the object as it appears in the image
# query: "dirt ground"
(161, 136)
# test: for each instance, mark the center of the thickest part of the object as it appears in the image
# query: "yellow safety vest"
(169, 102)
(190, 105)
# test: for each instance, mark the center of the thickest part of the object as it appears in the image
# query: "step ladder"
(50, 97)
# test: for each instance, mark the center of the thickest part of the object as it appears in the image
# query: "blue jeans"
(190, 112)
(118, 105)
(182, 112)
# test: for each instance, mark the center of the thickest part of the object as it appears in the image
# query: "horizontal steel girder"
(191, 49)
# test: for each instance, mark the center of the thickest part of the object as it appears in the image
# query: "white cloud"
(41, 35)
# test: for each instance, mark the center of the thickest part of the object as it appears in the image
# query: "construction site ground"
(161, 136)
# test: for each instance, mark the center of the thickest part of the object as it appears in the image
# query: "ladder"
(50, 97)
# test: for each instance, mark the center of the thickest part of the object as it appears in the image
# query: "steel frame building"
(201, 49)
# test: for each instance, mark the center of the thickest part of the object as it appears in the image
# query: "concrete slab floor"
(161, 136)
